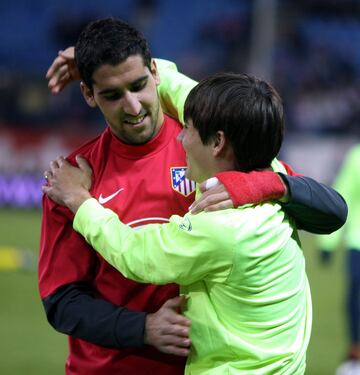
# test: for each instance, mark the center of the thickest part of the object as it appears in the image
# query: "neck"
(218, 166)
(160, 121)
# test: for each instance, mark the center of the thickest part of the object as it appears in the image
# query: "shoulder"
(171, 121)
(163, 64)
(248, 222)
(354, 152)
(88, 148)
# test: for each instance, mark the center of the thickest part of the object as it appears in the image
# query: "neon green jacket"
(173, 89)
(243, 270)
(347, 183)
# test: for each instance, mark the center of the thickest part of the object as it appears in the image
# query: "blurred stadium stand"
(309, 51)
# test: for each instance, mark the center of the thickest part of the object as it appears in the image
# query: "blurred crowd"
(315, 55)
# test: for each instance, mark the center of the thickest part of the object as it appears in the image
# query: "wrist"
(74, 201)
(253, 187)
(286, 196)
(148, 319)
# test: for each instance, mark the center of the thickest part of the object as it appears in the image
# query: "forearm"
(74, 311)
(158, 254)
(113, 240)
(315, 207)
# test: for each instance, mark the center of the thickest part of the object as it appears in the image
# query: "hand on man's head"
(62, 71)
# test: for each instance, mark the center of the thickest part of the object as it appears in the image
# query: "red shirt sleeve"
(61, 249)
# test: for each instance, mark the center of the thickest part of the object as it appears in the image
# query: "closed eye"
(139, 85)
(111, 96)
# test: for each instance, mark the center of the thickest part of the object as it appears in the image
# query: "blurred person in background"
(242, 270)
(347, 182)
(114, 325)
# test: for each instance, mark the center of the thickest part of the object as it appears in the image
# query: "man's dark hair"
(248, 110)
(108, 41)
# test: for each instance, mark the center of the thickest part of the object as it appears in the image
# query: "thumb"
(176, 302)
(83, 164)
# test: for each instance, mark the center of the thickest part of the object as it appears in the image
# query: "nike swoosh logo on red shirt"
(103, 200)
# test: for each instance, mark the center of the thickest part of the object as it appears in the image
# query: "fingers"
(45, 189)
(83, 164)
(62, 173)
(215, 197)
(177, 333)
(58, 163)
(62, 71)
(59, 79)
(63, 81)
(176, 345)
(61, 161)
(47, 176)
(48, 188)
(173, 307)
(211, 201)
(55, 66)
(62, 59)
(59, 72)
(218, 206)
(175, 340)
(53, 166)
(175, 302)
(68, 53)
(167, 329)
(180, 321)
(171, 349)
(50, 191)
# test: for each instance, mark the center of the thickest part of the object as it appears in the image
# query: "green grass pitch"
(30, 346)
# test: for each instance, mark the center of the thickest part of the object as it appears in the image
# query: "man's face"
(199, 157)
(126, 95)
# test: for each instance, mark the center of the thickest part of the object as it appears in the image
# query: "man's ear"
(154, 72)
(88, 95)
(220, 143)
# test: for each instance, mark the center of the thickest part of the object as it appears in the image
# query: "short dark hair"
(248, 110)
(108, 41)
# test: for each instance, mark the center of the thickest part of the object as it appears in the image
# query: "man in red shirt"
(117, 326)
(134, 161)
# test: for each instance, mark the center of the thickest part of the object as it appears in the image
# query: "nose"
(132, 106)
(180, 137)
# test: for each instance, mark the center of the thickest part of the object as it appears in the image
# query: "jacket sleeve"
(315, 207)
(183, 251)
(71, 304)
(173, 89)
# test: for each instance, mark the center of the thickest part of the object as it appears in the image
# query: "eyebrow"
(138, 80)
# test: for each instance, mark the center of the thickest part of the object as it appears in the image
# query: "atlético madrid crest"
(180, 183)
